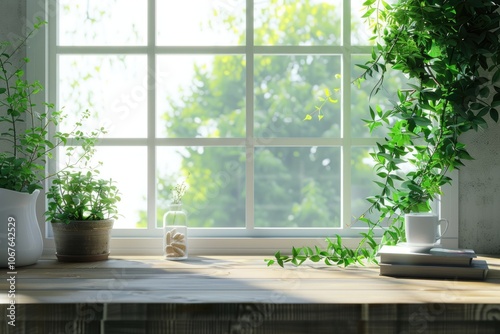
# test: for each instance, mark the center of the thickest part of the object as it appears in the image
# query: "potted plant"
(82, 209)
(27, 140)
(450, 50)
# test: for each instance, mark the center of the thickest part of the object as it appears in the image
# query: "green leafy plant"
(81, 196)
(450, 50)
(26, 127)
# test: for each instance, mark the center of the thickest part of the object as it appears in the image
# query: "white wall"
(12, 17)
(479, 189)
(479, 182)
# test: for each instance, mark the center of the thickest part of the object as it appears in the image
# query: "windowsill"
(226, 246)
(235, 279)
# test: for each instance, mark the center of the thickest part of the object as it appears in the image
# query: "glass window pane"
(292, 22)
(112, 88)
(287, 88)
(360, 27)
(362, 185)
(200, 22)
(216, 179)
(126, 166)
(102, 23)
(201, 96)
(297, 187)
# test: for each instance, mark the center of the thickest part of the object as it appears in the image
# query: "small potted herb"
(82, 209)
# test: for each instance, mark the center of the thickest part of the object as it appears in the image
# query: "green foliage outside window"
(294, 187)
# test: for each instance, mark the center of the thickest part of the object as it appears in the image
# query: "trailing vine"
(450, 51)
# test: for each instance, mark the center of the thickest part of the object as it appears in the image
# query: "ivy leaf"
(494, 115)
(496, 76)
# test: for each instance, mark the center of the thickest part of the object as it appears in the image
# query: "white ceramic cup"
(424, 228)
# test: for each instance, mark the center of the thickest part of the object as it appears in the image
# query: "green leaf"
(476, 106)
(372, 113)
(315, 258)
(435, 51)
(494, 114)
(422, 121)
(368, 13)
(308, 117)
(496, 76)
(484, 92)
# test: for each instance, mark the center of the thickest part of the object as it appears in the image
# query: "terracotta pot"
(82, 241)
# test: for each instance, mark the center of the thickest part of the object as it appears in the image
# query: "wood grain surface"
(149, 295)
(235, 279)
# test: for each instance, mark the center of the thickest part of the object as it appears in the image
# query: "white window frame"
(42, 50)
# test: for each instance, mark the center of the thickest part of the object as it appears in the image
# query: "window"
(217, 91)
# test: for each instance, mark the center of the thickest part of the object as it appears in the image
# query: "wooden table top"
(234, 279)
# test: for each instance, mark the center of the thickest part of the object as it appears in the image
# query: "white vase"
(19, 228)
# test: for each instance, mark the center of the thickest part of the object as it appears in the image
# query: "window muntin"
(269, 81)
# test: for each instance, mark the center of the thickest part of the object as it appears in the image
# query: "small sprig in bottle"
(175, 232)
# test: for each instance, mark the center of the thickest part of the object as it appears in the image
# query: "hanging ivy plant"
(450, 50)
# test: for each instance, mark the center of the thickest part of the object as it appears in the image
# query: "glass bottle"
(175, 245)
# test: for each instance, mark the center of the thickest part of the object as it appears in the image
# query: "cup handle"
(445, 229)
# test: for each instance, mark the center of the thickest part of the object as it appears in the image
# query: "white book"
(436, 256)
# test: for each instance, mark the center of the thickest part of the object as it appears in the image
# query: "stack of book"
(401, 261)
